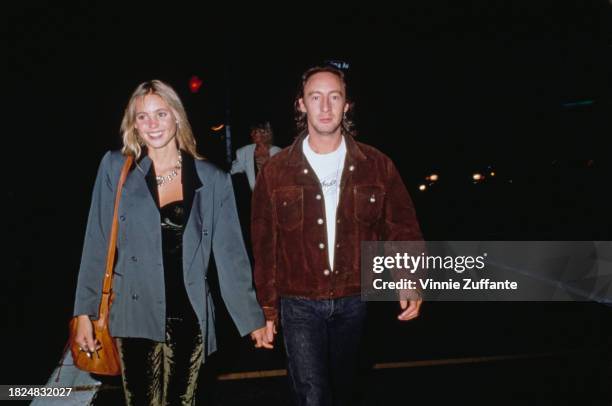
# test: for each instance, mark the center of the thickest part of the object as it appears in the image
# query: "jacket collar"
(296, 156)
(190, 179)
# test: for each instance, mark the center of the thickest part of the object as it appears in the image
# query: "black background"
(445, 87)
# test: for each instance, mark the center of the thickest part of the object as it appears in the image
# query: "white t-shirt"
(328, 168)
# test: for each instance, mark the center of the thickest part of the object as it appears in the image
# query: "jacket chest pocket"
(368, 203)
(289, 207)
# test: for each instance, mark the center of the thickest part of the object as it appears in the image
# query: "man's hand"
(264, 336)
(411, 311)
(270, 331)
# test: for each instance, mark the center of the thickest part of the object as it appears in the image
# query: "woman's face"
(155, 121)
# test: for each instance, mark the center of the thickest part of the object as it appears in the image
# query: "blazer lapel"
(198, 201)
(191, 183)
(138, 200)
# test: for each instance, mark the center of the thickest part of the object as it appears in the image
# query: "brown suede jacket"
(288, 223)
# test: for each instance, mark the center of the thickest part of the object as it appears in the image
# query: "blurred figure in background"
(250, 158)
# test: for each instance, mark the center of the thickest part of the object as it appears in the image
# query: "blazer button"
(319, 221)
(372, 199)
(205, 231)
(318, 197)
(135, 296)
(352, 168)
(321, 246)
(305, 171)
(326, 272)
(122, 218)
(134, 259)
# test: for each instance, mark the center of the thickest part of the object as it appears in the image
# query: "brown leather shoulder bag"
(105, 360)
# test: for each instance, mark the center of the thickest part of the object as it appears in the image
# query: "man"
(250, 158)
(313, 204)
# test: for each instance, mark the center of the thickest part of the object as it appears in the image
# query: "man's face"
(258, 136)
(324, 103)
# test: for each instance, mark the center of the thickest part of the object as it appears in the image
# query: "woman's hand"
(263, 337)
(84, 336)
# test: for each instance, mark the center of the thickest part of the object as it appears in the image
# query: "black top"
(172, 218)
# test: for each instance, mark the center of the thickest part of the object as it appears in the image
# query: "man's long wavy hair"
(301, 122)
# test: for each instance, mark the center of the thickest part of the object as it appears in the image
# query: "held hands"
(84, 337)
(411, 311)
(264, 337)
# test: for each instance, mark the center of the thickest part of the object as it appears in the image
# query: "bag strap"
(112, 245)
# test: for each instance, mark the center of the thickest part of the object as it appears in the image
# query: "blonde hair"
(132, 143)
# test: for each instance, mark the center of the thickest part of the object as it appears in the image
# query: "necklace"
(169, 177)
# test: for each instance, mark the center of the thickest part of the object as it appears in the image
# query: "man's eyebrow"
(320, 92)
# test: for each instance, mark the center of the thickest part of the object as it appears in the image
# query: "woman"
(175, 208)
(250, 158)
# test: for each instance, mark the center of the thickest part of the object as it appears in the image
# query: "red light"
(194, 84)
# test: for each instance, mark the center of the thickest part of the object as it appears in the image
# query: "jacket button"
(352, 168)
(336, 272)
(372, 199)
(205, 231)
(134, 259)
(305, 171)
(338, 245)
(321, 246)
(135, 296)
(122, 218)
(326, 272)
(318, 197)
(319, 221)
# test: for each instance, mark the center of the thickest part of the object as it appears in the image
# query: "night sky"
(445, 87)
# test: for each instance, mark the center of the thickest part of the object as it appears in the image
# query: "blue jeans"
(322, 339)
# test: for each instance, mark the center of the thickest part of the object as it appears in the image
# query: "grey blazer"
(138, 309)
(245, 161)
